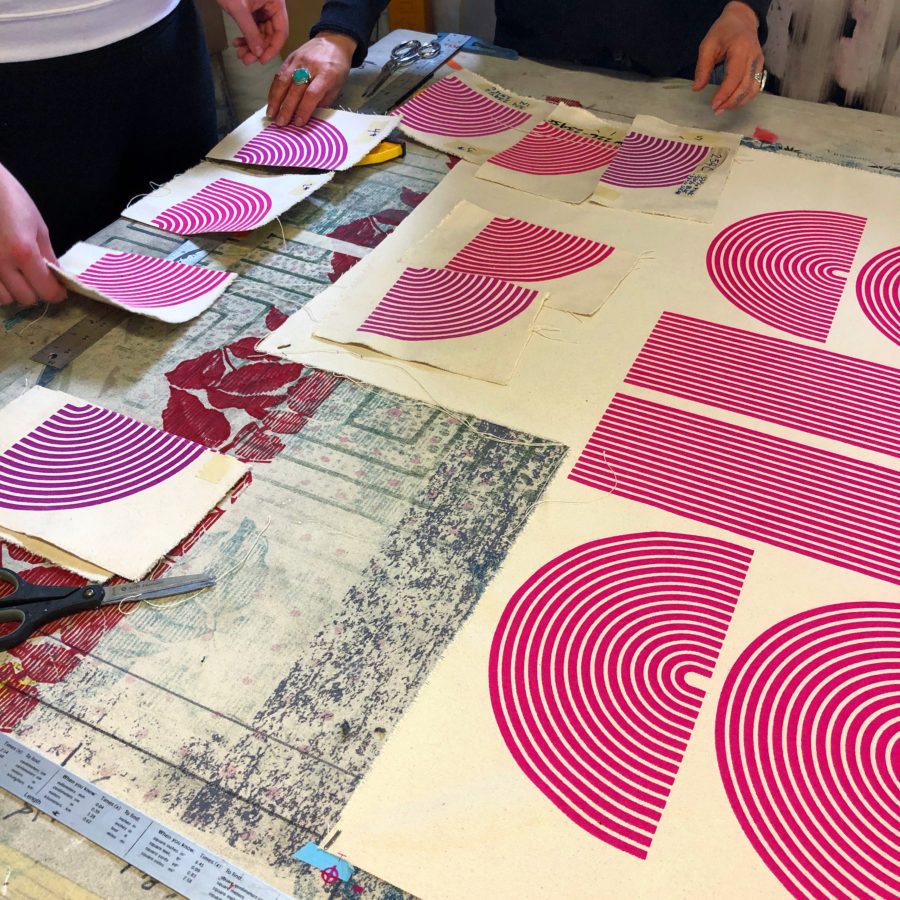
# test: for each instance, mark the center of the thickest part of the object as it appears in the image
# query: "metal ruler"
(87, 331)
(139, 840)
(404, 81)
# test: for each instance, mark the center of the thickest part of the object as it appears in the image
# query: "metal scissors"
(401, 56)
(33, 605)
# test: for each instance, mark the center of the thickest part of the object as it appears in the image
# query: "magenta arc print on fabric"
(450, 107)
(145, 282)
(878, 292)
(821, 504)
(809, 388)
(83, 455)
(436, 304)
(645, 161)
(521, 251)
(808, 741)
(316, 145)
(787, 269)
(223, 205)
(590, 666)
(550, 150)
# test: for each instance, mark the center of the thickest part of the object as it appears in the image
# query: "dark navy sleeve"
(355, 18)
(761, 8)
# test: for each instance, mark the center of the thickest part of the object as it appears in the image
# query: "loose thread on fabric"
(453, 416)
(192, 595)
(510, 539)
(36, 319)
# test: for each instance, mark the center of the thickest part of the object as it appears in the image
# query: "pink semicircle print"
(787, 269)
(808, 744)
(222, 205)
(450, 107)
(437, 304)
(550, 150)
(145, 282)
(645, 161)
(83, 455)
(521, 251)
(594, 671)
(316, 145)
(878, 292)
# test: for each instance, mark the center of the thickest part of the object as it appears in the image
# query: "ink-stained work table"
(368, 529)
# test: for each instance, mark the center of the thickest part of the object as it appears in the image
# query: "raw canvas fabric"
(561, 158)
(217, 199)
(667, 169)
(471, 324)
(469, 116)
(159, 288)
(446, 811)
(577, 273)
(331, 140)
(102, 486)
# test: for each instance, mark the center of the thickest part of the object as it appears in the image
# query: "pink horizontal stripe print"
(808, 388)
(821, 504)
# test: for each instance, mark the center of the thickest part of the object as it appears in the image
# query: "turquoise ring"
(301, 76)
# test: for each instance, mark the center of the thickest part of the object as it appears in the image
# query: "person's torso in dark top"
(660, 37)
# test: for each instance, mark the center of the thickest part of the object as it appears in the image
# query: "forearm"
(760, 9)
(354, 18)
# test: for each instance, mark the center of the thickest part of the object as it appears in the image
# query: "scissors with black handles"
(402, 55)
(34, 605)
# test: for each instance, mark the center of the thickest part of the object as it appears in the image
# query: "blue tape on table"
(320, 859)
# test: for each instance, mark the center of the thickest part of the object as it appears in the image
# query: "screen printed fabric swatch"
(664, 168)
(216, 199)
(787, 268)
(808, 388)
(474, 325)
(468, 116)
(159, 288)
(588, 673)
(100, 485)
(579, 274)
(332, 139)
(821, 504)
(878, 292)
(561, 158)
(806, 736)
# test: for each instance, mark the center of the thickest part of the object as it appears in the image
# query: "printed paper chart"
(332, 140)
(807, 734)
(222, 199)
(788, 268)
(160, 288)
(100, 485)
(578, 273)
(821, 504)
(472, 324)
(808, 388)
(468, 116)
(589, 673)
(878, 292)
(664, 168)
(561, 158)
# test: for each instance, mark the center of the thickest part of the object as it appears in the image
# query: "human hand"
(733, 38)
(264, 25)
(327, 58)
(24, 247)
